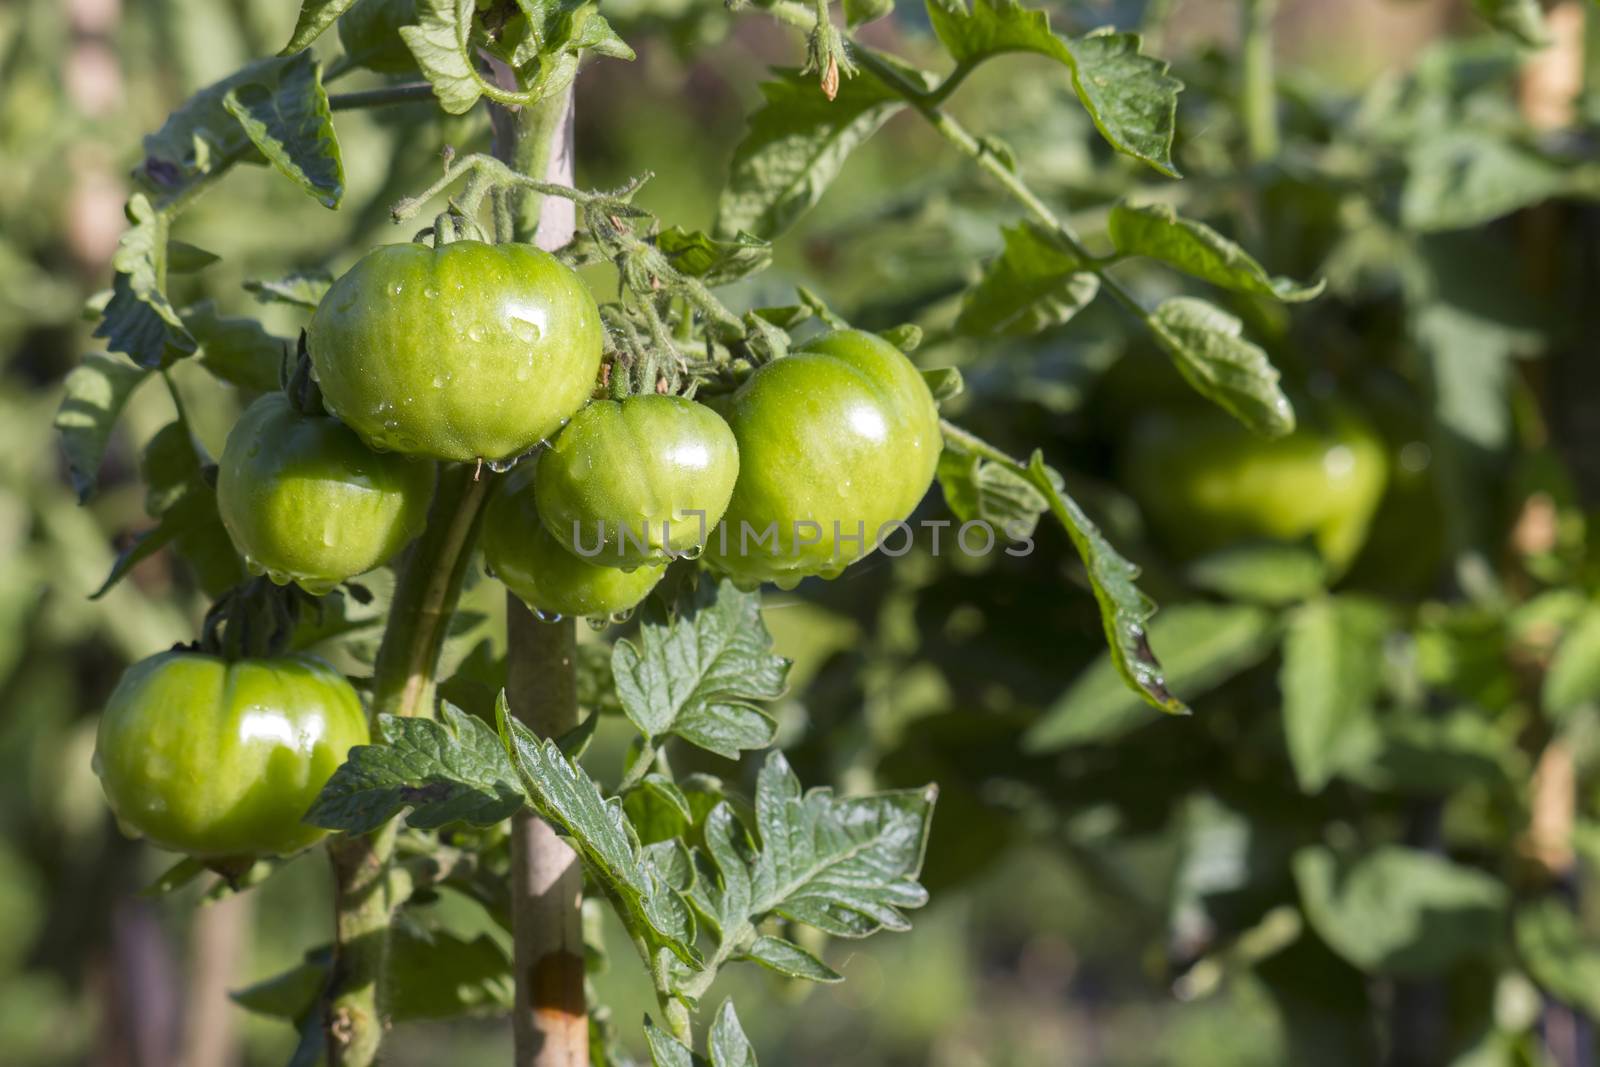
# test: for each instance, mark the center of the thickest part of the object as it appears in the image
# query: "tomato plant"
(1361, 845)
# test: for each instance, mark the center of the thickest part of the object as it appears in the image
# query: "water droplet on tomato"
(476, 332)
(597, 622)
(547, 616)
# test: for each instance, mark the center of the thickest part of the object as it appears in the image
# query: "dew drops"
(694, 551)
(254, 566)
(787, 582)
(524, 329)
(441, 380)
(476, 332)
(500, 466)
(547, 616)
(431, 293)
(597, 622)
(620, 617)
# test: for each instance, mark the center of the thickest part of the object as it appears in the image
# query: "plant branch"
(408, 93)
(426, 592)
(1259, 88)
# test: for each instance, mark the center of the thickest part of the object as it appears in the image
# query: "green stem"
(1259, 83)
(426, 591)
(927, 102)
(410, 93)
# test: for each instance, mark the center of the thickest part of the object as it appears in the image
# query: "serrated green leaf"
(432, 973)
(695, 672)
(1201, 645)
(1573, 679)
(194, 513)
(1205, 343)
(304, 288)
(658, 809)
(790, 960)
(600, 832)
(1158, 231)
(450, 769)
(1037, 282)
(315, 18)
(1261, 572)
(1560, 958)
(727, 1044)
(240, 351)
(846, 865)
(1399, 910)
(1131, 97)
(1519, 19)
(286, 116)
(93, 398)
(1332, 659)
(140, 321)
(796, 145)
(545, 55)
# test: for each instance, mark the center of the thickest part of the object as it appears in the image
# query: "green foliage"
(1035, 284)
(697, 670)
(1207, 345)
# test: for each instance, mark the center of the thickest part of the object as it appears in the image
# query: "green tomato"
(637, 481)
(1206, 482)
(838, 441)
(305, 501)
(549, 579)
(223, 759)
(467, 351)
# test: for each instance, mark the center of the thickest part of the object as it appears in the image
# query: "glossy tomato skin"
(305, 501)
(843, 434)
(622, 482)
(1205, 482)
(223, 759)
(468, 351)
(534, 565)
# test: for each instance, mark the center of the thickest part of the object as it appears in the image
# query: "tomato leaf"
(1157, 231)
(140, 321)
(286, 116)
(789, 960)
(237, 350)
(860, 12)
(845, 865)
(569, 799)
(96, 392)
(1400, 910)
(315, 18)
(696, 672)
(796, 145)
(1131, 97)
(544, 55)
(981, 490)
(304, 288)
(1332, 654)
(1205, 343)
(1201, 646)
(714, 261)
(200, 140)
(668, 1051)
(1035, 283)
(727, 1044)
(370, 34)
(1463, 177)
(450, 769)
(1261, 572)
(1573, 680)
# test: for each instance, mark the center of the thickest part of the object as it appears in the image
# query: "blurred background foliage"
(1374, 839)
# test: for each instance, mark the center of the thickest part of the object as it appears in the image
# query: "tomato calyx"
(257, 619)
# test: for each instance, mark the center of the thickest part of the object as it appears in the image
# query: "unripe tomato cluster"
(471, 352)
